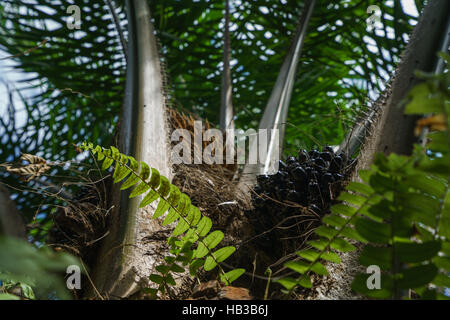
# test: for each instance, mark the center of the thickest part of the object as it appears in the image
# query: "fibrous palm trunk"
(393, 131)
(125, 260)
(389, 130)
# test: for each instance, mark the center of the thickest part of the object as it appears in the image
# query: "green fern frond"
(332, 235)
(191, 243)
(382, 213)
(401, 211)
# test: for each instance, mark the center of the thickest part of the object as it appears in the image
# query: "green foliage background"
(400, 211)
(39, 272)
(73, 85)
(192, 241)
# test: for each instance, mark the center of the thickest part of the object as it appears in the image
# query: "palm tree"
(387, 129)
(84, 84)
(144, 134)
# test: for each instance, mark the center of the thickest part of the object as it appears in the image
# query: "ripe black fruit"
(339, 161)
(343, 157)
(313, 174)
(320, 162)
(326, 156)
(327, 178)
(315, 208)
(290, 161)
(336, 164)
(313, 154)
(257, 189)
(311, 180)
(302, 156)
(282, 166)
(293, 196)
(289, 185)
(313, 188)
(299, 174)
(281, 193)
(278, 177)
(262, 179)
(329, 149)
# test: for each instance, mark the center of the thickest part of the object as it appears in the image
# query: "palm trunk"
(393, 130)
(123, 262)
(389, 129)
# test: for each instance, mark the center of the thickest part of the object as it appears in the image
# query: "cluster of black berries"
(312, 179)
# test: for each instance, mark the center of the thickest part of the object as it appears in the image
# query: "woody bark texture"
(391, 130)
(136, 242)
(394, 131)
